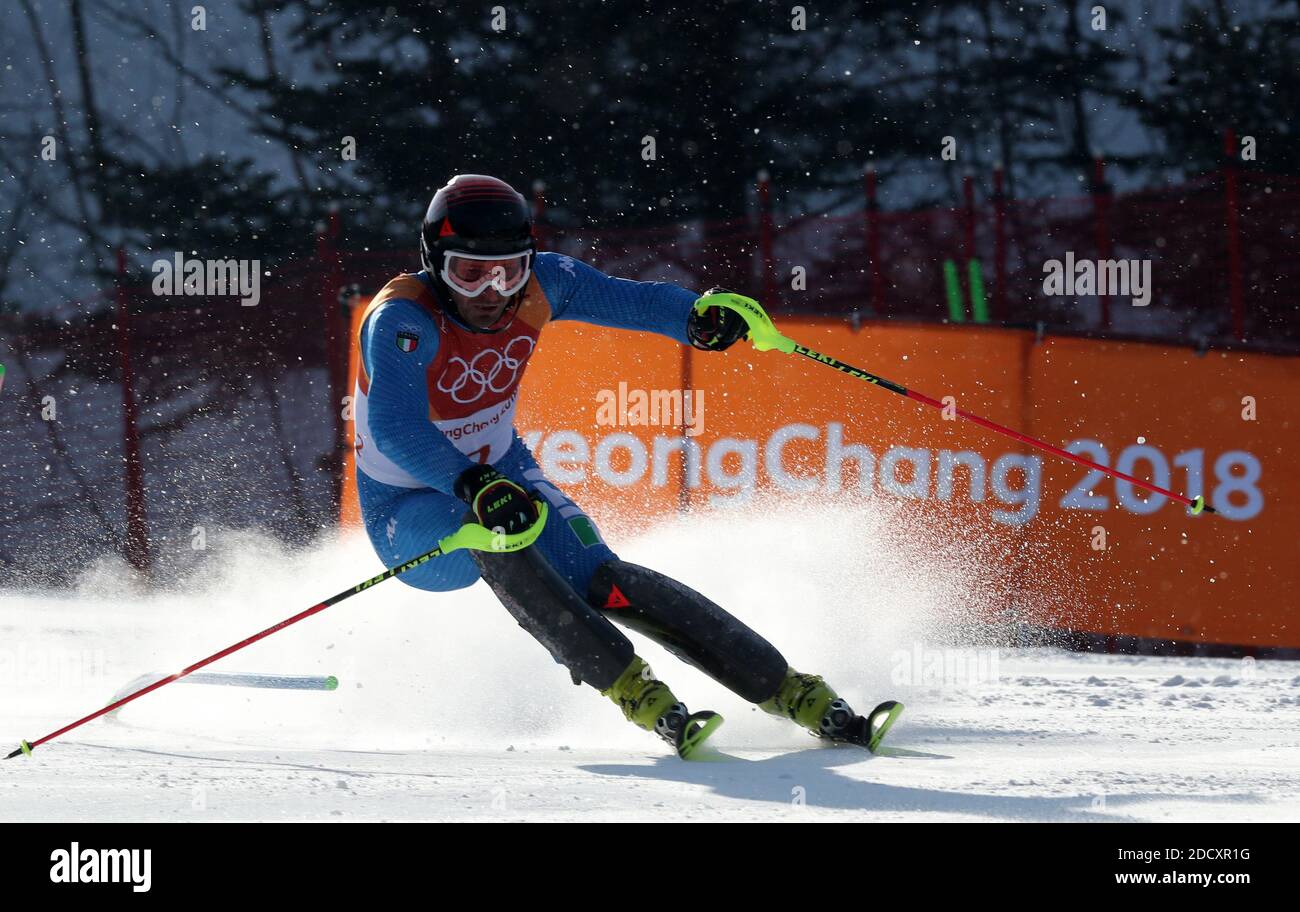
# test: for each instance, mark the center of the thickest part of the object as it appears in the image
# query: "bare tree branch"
(70, 158)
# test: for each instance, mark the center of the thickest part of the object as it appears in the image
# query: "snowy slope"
(447, 710)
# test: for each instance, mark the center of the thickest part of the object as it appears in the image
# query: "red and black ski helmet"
(475, 214)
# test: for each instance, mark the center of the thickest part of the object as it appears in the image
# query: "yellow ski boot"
(809, 701)
(648, 703)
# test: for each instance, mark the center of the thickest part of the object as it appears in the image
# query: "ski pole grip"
(763, 334)
(475, 537)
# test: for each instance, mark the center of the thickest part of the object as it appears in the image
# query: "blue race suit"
(433, 398)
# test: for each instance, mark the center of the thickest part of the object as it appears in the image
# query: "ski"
(880, 720)
(699, 726)
(227, 679)
(869, 731)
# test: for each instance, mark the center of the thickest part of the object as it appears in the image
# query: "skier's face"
(482, 285)
(483, 311)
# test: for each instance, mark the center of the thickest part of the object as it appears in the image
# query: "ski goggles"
(471, 274)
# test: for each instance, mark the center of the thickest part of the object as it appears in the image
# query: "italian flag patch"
(586, 532)
(407, 341)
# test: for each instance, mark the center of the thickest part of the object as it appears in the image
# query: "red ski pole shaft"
(1197, 503)
(469, 535)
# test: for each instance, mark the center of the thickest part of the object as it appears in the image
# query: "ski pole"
(470, 536)
(236, 679)
(764, 336)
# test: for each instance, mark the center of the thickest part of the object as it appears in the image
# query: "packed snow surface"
(447, 710)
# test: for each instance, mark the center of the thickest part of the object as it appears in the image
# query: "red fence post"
(336, 350)
(136, 545)
(1101, 211)
(968, 237)
(1232, 223)
(873, 242)
(539, 213)
(999, 248)
(765, 238)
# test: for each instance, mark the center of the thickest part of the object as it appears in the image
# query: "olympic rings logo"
(489, 370)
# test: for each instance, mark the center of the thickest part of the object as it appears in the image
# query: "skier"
(442, 354)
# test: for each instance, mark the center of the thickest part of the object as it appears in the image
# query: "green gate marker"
(978, 305)
(956, 310)
(952, 286)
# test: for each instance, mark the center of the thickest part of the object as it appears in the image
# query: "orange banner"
(634, 426)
